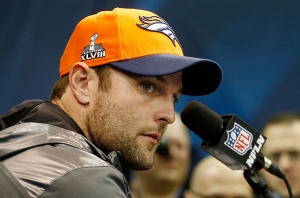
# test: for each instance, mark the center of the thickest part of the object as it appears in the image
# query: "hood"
(39, 111)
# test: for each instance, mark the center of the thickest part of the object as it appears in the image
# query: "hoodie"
(44, 154)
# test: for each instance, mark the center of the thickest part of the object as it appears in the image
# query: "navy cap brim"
(199, 76)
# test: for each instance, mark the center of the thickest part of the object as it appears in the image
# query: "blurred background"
(257, 44)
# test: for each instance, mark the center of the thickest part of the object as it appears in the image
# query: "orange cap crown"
(118, 35)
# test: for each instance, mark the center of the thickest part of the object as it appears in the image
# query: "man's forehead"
(283, 131)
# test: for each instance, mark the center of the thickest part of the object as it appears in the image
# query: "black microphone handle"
(257, 183)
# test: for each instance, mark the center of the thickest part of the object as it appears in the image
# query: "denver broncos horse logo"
(157, 24)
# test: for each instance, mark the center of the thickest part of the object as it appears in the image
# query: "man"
(169, 173)
(121, 73)
(282, 147)
(211, 178)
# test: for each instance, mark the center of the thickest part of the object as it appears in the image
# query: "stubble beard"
(115, 127)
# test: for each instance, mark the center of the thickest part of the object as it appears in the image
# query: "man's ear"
(78, 80)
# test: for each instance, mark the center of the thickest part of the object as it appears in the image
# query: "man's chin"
(140, 167)
(139, 164)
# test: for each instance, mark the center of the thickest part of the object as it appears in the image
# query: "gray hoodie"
(44, 154)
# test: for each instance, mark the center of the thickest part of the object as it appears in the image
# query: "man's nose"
(167, 112)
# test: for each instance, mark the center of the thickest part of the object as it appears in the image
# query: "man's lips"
(153, 137)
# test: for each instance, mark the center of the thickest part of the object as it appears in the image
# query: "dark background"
(257, 43)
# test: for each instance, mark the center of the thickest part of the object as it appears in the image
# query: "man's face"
(133, 116)
(283, 148)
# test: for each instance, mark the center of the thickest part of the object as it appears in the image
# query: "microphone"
(228, 138)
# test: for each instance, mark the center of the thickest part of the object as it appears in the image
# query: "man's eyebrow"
(163, 80)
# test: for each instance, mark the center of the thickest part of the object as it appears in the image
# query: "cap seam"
(119, 32)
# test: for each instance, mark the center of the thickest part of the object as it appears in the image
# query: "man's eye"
(148, 88)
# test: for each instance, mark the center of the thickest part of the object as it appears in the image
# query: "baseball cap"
(140, 42)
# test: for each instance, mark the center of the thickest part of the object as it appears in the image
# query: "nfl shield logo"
(239, 139)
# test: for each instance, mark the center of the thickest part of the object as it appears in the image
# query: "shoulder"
(89, 182)
(63, 170)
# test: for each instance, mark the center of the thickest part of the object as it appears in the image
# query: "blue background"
(257, 44)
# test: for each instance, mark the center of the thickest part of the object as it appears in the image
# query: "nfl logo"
(239, 139)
